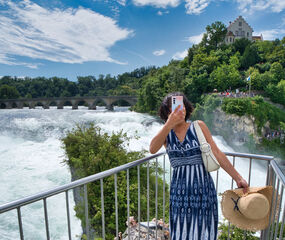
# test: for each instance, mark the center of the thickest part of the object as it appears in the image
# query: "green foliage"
(234, 233)
(240, 45)
(257, 107)
(276, 92)
(8, 92)
(225, 77)
(250, 56)
(91, 151)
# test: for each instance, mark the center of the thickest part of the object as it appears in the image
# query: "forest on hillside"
(209, 65)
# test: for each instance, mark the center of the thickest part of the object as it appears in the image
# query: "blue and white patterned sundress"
(193, 197)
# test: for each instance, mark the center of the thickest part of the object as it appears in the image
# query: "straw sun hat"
(249, 211)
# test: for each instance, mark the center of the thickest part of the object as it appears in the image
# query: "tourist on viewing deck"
(193, 198)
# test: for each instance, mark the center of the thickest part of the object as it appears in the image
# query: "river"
(31, 157)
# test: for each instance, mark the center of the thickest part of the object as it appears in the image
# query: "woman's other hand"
(241, 183)
(176, 117)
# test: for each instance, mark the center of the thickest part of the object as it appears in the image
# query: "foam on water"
(31, 161)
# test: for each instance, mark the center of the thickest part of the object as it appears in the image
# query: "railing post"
(68, 215)
(116, 207)
(139, 201)
(46, 218)
(102, 208)
(86, 211)
(20, 223)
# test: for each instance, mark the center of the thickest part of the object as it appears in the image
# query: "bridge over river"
(60, 102)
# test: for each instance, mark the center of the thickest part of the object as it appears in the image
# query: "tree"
(225, 77)
(241, 44)
(8, 92)
(277, 71)
(250, 56)
(215, 34)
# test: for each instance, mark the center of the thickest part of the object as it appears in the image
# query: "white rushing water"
(31, 158)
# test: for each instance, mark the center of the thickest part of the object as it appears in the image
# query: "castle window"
(230, 39)
(236, 33)
(239, 24)
(247, 34)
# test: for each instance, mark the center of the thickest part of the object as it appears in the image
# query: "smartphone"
(175, 101)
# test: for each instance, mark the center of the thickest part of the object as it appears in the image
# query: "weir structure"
(274, 177)
(60, 102)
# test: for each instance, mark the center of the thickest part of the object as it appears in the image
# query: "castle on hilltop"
(239, 28)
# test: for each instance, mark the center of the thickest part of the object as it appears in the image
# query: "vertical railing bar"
(232, 185)
(275, 207)
(46, 218)
(139, 201)
(148, 200)
(244, 234)
(229, 225)
(268, 182)
(217, 180)
(249, 171)
(116, 208)
(267, 176)
(128, 204)
(156, 190)
(68, 215)
(86, 211)
(282, 226)
(234, 160)
(163, 192)
(102, 208)
(273, 185)
(277, 225)
(20, 223)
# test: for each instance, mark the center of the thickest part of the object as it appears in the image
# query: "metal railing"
(273, 173)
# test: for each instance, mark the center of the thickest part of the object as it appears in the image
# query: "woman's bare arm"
(222, 158)
(159, 139)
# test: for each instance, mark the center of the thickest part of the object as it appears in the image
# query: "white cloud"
(159, 52)
(271, 34)
(68, 36)
(122, 2)
(157, 3)
(180, 55)
(195, 39)
(196, 6)
(251, 6)
(160, 13)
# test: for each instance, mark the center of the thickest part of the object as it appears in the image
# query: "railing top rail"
(253, 156)
(36, 197)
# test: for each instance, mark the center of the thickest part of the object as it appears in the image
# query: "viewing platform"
(273, 175)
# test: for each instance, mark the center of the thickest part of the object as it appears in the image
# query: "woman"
(193, 197)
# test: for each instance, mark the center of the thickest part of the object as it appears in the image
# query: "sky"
(71, 38)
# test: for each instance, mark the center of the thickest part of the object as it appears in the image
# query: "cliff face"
(236, 130)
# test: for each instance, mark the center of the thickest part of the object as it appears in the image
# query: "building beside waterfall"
(239, 28)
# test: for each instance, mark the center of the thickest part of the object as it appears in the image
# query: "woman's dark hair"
(165, 106)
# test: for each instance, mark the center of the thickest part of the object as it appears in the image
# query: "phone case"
(175, 101)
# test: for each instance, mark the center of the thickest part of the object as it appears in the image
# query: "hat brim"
(237, 218)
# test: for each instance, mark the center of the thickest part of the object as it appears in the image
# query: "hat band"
(236, 206)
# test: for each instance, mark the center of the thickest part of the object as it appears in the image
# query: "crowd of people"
(275, 134)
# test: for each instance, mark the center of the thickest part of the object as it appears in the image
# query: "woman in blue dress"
(193, 198)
